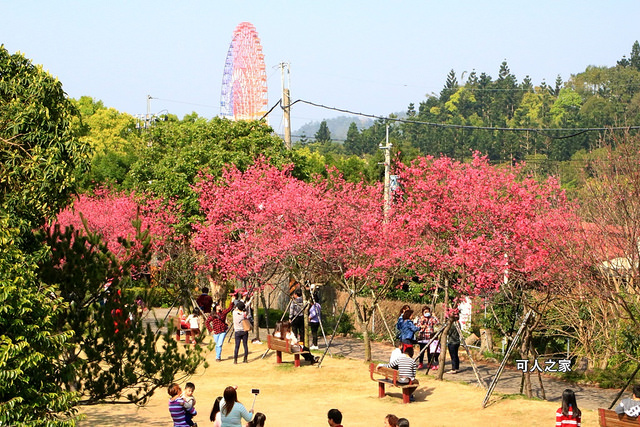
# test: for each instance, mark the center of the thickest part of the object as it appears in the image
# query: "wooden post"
(504, 360)
(473, 364)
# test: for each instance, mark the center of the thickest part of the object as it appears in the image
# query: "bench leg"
(178, 335)
(381, 390)
(296, 360)
(278, 356)
(406, 395)
(187, 336)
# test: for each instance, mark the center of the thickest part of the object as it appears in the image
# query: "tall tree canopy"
(38, 159)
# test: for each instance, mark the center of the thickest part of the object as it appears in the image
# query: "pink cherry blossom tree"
(113, 215)
(484, 228)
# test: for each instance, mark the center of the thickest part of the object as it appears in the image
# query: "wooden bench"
(280, 346)
(609, 418)
(188, 332)
(390, 376)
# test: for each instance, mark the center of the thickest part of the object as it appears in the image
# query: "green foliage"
(413, 292)
(38, 151)
(274, 316)
(345, 327)
(323, 135)
(115, 355)
(31, 392)
(179, 150)
(114, 139)
(38, 157)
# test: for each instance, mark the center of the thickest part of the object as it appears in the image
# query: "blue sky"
(368, 56)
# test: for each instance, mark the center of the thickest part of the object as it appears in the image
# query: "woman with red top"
(568, 414)
(217, 326)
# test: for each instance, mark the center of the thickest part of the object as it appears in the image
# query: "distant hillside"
(338, 127)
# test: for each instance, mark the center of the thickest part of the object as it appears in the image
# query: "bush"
(346, 324)
(274, 316)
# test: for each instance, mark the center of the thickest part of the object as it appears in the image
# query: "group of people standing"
(216, 323)
(420, 330)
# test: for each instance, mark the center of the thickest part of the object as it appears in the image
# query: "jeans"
(241, 336)
(455, 360)
(219, 340)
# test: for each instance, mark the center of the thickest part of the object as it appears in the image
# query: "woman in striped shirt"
(176, 406)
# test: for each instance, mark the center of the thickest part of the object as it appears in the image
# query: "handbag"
(246, 325)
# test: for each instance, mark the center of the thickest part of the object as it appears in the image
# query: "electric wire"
(542, 131)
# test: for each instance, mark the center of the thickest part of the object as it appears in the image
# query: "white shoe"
(314, 347)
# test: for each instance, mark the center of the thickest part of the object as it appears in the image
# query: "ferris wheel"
(244, 82)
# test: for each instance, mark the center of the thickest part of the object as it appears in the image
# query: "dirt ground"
(302, 396)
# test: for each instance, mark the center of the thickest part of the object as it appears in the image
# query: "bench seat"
(283, 346)
(188, 332)
(609, 418)
(390, 376)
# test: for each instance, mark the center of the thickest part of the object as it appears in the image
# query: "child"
(568, 414)
(189, 403)
(258, 420)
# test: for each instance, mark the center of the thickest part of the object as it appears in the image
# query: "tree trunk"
(363, 319)
(486, 341)
(443, 337)
(217, 291)
(256, 317)
(443, 353)
(524, 351)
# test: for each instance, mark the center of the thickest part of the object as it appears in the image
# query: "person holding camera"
(233, 412)
(241, 333)
(217, 326)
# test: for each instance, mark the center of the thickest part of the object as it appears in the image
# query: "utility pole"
(286, 101)
(149, 98)
(387, 175)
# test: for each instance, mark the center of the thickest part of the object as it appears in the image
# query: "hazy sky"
(369, 56)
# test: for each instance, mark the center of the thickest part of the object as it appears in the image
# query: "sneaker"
(420, 366)
(434, 368)
(412, 398)
(314, 347)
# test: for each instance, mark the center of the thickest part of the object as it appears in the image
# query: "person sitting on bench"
(283, 331)
(630, 405)
(406, 367)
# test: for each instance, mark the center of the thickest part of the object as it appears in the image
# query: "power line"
(545, 132)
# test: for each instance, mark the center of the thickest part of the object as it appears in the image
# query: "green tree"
(353, 143)
(634, 59)
(323, 135)
(114, 356)
(114, 138)
(38, 159)
(450, 86)
(179, 150)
